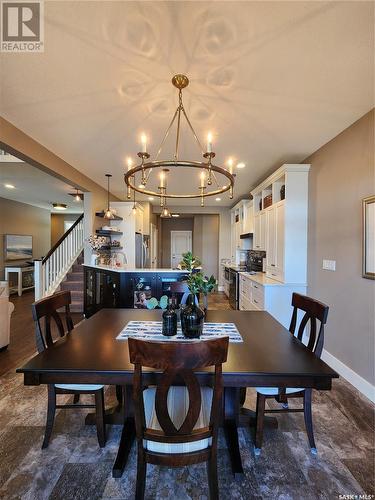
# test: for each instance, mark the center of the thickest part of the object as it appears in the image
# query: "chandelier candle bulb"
(209, 142)
(144, 143)
(202, 179)
(129, 161)
(230, 165)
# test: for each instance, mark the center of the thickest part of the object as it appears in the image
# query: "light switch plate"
(329, 265)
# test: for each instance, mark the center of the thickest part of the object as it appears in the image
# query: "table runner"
(152, 330)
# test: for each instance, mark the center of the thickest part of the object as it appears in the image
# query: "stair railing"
(50, 271)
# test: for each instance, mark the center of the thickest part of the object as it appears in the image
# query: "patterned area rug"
(73, 467)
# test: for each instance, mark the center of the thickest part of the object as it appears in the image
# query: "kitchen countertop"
(262, 279)
(137, 269)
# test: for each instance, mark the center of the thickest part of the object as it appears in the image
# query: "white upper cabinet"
(280, 222)
(242, 223)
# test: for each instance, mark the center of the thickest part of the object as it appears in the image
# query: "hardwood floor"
(22, 340)
(74, 467)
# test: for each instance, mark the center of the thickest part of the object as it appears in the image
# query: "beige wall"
(57, 225)
(206, 242)
(19, 218)
(342, 173)
(166, 226)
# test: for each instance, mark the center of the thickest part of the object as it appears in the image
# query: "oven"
(233, 289)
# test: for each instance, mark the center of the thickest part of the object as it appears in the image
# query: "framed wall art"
(368, 259)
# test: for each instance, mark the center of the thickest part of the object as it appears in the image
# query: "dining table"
(268, 356)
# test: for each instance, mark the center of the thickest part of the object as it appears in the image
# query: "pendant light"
(108, 213)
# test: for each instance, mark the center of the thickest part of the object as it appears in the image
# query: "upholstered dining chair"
(47, 309)
(311, 311)
(177, 425)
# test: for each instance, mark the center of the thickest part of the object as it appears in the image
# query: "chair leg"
(141, 474)
(307, 399)
(76, 399)
(99, 415)
(261, 404)
(51, 409)
(212, 478)
(119, 394)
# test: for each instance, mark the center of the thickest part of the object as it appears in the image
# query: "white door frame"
(153, 246)
(190, 239)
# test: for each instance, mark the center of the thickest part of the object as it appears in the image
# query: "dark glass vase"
(169, 327)
(192, 319)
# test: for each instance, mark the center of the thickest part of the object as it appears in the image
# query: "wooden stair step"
(72, 285)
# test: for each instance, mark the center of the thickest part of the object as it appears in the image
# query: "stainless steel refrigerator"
(142, 251)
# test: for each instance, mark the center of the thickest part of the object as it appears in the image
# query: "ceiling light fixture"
(217, 199)
(165, 213)
(175, 215)
(241, 165)
(209, 172)
(59, 206)
(108, 214)
(9, 186)
(151, 198)
(77, 195)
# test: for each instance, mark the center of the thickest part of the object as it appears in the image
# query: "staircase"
(74, 283)
(63, 265)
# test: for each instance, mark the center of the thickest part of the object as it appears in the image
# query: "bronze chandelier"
(209, 171)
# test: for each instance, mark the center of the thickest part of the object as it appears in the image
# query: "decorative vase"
(192, 319)
(94, 258)
(169, 316)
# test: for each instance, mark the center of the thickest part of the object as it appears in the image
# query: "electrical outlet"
(329, 265)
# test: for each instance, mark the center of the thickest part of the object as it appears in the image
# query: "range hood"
(244, 236)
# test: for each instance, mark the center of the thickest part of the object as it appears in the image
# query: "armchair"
(6, 309)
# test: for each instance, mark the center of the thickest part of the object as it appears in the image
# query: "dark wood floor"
(74, 467)
(22, 340)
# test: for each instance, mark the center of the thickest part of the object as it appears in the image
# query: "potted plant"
(189, 262)
(96, 242)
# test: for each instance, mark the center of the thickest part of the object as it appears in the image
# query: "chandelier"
(214, 180)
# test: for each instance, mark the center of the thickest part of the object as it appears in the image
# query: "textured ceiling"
(274, 81)
(34, 187)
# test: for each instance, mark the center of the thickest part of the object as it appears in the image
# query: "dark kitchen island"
(109, 287)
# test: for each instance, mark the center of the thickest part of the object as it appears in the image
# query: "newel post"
(38, 279)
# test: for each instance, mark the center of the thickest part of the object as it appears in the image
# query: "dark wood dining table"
(268, 356)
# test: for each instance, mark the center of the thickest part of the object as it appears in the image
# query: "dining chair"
(47, 308)
(311, 310)
(177, 425)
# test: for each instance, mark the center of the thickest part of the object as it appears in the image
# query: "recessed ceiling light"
(175, 215)
(151, 198)
(141, 186)
(59, 206)
(240, 165)
(9, 186)
(217, 199)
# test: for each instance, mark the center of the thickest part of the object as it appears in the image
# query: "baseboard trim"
(351, 376)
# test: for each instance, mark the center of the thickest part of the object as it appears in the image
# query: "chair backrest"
(47, 308)
(178, 362)
(314, 310)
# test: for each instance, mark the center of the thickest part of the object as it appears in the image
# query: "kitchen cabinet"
(241, 223)
(280, 229)
(258, 292)
(106, 288)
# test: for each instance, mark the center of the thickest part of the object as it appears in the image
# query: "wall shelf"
(103, 232)
(115, 217)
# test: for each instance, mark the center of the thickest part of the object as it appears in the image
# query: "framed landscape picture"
(368, 260)
(18, 247)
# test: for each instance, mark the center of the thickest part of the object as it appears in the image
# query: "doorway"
(181, 242)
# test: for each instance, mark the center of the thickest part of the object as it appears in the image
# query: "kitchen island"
(125, 287)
